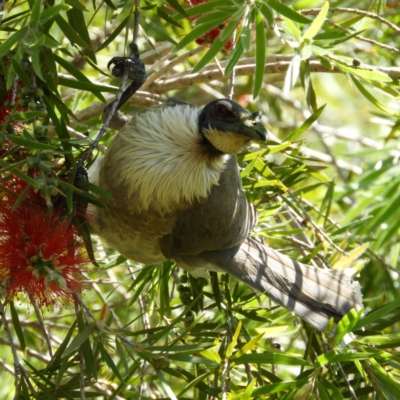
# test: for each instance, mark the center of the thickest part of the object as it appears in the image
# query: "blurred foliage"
(326, 187)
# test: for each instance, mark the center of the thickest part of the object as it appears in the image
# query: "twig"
(189, 79)
(146, 325)
(161, 71)
(225, 379)
(42, 326)
(349, 387)
(364, 39)
(306, 114)
(106, 123)
(17, 365)
(232, 77)
(81, 363)
(115, 105)
(315, 11)
(307, 218)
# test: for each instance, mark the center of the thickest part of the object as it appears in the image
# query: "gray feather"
(314, 294)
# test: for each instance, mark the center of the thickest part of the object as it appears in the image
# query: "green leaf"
(80, 77)
(12, 40)
(377, 314)
(90, 87)
(162, 14)
(177, 6)
(109, 361)
(17, 326)
(96, 190)
(292, 137)
(346, 325)
(305, 76)
(387, 383)
(233, 343)
(199, 30)
(69, 32)
(287, 12)
(292, 73)
(35, 56)
(234, 58)
(80, 339)
(333, 356)
(165, 385)
(248, 346)
(269, 358)
(207, 7)
(52, 11)
(232, 25)
(76, 4)
(160, 31)
(279, 387)
(333, 391)
(195, 382)
(388, 340)
(260, 55)
(30, 144)
(77, 22)
(267, 12)
(317, 23)
(365, 74)
(192, 359)
(115, 32)
(35, 13)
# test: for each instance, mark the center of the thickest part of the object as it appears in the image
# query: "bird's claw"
(134, 66)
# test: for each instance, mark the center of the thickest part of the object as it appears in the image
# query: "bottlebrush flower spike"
(40, 252)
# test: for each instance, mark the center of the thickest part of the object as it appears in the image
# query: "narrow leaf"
(109, 361)
(233, 343)
(199, 30)
(78, 341)
(304, 126)
(270, 358)
(13, 39)
(288, 12)
(235, 56)
(248, 346)
(346, 261)
(35, 13)
(260, 55)
(292, 73)
(317, 23)
(115, 32)
(17, 326)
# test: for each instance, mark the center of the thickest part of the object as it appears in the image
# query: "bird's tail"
(314, 294)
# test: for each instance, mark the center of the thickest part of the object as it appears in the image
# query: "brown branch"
(367, 14)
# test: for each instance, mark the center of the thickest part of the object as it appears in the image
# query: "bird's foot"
(132, 64)
(136, 70)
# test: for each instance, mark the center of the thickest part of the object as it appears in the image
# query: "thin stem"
(17, 365)
(42, 326)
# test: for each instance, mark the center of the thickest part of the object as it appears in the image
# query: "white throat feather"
(161, 161)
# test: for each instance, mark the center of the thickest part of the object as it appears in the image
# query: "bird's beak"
(253, 127)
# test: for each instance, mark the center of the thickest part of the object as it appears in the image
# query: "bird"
(173, 174)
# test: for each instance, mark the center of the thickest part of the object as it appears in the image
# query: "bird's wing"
(222, 220)
(314, 294)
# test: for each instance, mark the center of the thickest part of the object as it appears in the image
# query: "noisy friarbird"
(173, 174)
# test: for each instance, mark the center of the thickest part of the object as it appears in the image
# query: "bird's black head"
(228, 127)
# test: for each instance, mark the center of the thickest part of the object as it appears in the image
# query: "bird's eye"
(221, 111)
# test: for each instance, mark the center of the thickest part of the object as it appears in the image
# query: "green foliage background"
(324, 191)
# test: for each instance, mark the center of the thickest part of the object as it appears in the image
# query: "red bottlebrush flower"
(40, 251)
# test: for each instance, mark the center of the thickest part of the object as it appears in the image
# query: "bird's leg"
(136, 72)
